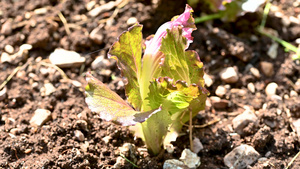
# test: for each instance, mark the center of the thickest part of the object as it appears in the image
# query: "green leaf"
(128, 52)
(180, 64)
(110, 106)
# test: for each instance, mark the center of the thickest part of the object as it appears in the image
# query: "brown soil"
(53, 145)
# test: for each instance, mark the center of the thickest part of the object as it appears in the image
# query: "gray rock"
(242, 120)
(174, 164)
(40, 117)
(272, 52)
(229, 75)
(47, 89)
(241, 157)
(271, 89)
(66, 59)
(190, 159)
(197, 145)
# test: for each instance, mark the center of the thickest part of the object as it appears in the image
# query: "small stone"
(267, 68)
(131, 21)
(229, 75)
(190, 159)
(27, 151)
(296, 124)
(100, 63)
(66, 59)
(262, 137)
(120, 162)
(197, 145)
(170, 148)
(251, 87)
(76, 83)
(15, 131)
(96, 35)
(6, 28)
(255, 72)
(103, 8)
(221, 91)
(5, 57)
(40, 11)
(35, 85)
(174, 164)
(242, 120)
(3, 94)
(90, 5)
(272, 52)
(40, 117)
(47, 89)
(271, 89)
(241, 157)
(79, 135)
(82, 124)
(106, 139)
(208, 80)
(293, 93)
(9, 49)
(219, 103)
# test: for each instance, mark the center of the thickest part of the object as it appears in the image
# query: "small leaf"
(128, 52)
(110, 106)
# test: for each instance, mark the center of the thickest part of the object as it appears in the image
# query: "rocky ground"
(253, 107)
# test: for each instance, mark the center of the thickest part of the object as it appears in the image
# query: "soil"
(219, 44)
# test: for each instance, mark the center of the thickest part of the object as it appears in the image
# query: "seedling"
(164, 85)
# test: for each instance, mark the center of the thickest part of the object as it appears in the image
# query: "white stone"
(272, 52)
(251, 87)
(96, 35)
(3, 93)
(120, 162)
(221, 91)
(229, 75)
(79, 135)
(197, 145)
(242, 120)
(255, 72)
(5, 57)
(66, 59)
(169, 147)
(47, 89)
(103, 8)
(90, 5)
(293, 93)
(131, 21)
(267, 68)
(106, 139)
(241, 157)
(98, 63)
(40, 117)
(9, 49)
(296, 124)
(219, 103)
(271, 89)
(174, 164)
(190, 159)
(208, 80)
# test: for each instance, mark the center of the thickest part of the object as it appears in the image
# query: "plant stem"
(191, 131)
(208, 17)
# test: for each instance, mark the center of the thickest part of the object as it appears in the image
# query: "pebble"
(197, 145)
(27, 151)
(219, 103)
(272, 52)
(170, 148)
(120, 162)
(99, 63)
(242, 120)
(96, 35)
(106, 139)
(255, 72)
(208, 80)
(5, 57)
(267, 68)
(229, 75)
(47, 89)
(82, 124)
(221, 91)
(9, 49)
(251, 87)
(90, 5)
(66, 59)
(15, 131)
(174, 164)
(271, 89)
(6, 28)
(241, 157)
(40, 117)
(190, 159)
(293, 93)
(296, 124)
(3, 93)
(131, 21)
(103, 8)
(79, 135)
